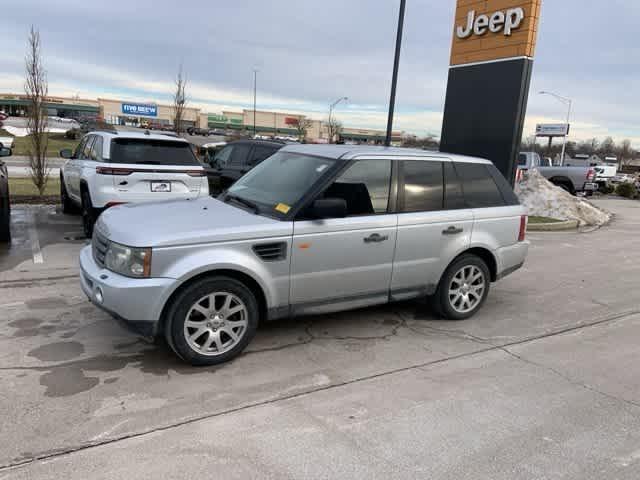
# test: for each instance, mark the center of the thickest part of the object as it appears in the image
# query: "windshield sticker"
(322, 168)
(282, 208)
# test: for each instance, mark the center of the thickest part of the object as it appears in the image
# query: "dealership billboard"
(490, 71)
(146, 110)
(552, 129)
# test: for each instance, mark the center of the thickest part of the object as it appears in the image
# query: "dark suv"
(5, 209)
(236, 159)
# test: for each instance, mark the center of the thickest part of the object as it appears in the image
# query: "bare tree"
(334, 128)
(303, 124)
(179, 100)
(625, 153)
(36, 88)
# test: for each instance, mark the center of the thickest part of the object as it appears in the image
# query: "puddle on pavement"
(56, 352)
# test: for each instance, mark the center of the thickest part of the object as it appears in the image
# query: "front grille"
(271, 252)
(99, 245)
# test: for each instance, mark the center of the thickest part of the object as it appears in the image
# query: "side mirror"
(5, 152)
(66, 153)
(329, 208)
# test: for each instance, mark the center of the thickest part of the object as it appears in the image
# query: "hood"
(185, 222)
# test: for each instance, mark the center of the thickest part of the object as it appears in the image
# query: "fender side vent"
(271, 252)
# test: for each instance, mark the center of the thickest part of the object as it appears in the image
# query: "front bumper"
(138, 302)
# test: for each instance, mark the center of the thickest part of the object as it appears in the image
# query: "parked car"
(198, 131)
(110, 168)
(313, 229)
(5, 204)
(237, 158)
(605, 174)
(571, 179)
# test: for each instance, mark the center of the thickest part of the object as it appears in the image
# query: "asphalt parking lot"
(543, 383)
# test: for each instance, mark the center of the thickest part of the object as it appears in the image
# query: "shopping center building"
(151, 114)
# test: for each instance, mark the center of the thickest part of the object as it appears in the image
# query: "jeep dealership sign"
(505, 22)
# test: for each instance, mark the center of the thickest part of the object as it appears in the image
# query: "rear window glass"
(478, 186)
(151, 152)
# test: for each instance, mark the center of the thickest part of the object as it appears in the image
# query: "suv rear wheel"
(463, 288)
(212, 321)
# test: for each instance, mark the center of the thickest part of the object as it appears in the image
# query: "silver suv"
(312, 229)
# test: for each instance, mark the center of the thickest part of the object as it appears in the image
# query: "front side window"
(141, 151)
(364, 186)
(422, 189)
(86, 151)
(239, 155)
(279, 183)
(222, 157)
(480, 190)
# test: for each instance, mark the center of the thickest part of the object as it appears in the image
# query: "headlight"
(128, 261)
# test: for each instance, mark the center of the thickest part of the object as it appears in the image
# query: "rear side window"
(261, 153)
(422, 189)
(509, 197)
(453, 197)
(478, 186)
(151, 152)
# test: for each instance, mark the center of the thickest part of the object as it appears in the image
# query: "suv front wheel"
(463, 288)
(212, 321)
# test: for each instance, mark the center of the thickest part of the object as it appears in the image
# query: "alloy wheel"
(466, 289)
(216, 323)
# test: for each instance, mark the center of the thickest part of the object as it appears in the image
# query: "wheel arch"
(246, 279)
(482, 252)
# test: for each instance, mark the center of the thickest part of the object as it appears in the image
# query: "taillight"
(591, 174)
(196, 173)
(523, 228)
(113, 171)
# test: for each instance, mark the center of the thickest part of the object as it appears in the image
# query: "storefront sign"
(140, 109)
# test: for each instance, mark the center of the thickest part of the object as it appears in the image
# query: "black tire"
(176, 329)
(442, 300)
(89, 214)
(68, 206)
(5, 220)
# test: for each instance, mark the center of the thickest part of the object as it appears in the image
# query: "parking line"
(35, 243)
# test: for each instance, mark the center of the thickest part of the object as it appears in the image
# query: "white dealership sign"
(497, 22)
(552, 129)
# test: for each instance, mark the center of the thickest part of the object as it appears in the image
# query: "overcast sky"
(311, 52)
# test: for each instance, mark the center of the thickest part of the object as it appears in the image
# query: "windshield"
(278, 183)
(151, 152)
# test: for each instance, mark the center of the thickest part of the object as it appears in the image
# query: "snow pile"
(23, 132)
(544, 199)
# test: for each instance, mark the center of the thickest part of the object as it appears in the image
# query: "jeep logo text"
(505, 21)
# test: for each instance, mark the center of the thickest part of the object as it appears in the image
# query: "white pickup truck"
(571, 179)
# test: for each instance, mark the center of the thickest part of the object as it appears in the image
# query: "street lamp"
(569, 103)
(331, 107)
(255, 89)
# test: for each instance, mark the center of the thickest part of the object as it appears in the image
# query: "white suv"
(111, 168)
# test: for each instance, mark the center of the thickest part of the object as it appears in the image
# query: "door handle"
(376, 238)
(452, 231)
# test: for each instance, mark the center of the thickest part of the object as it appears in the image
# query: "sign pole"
(394, 80)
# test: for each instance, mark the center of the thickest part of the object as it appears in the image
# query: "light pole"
(394, 79)
(255, 90)
(331, 107)
(569, 103)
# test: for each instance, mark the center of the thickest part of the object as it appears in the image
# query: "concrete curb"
(553, 227)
